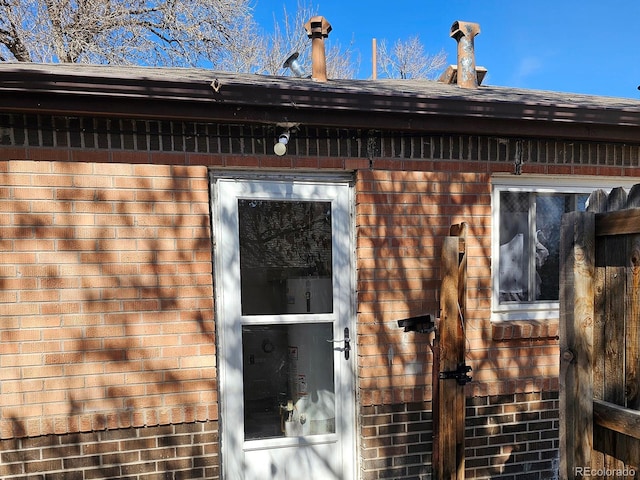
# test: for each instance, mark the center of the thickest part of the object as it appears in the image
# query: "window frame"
(542, 310)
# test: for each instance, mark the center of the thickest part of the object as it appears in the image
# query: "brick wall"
(107, 298)
(107, 314)
(402, 218)
(150, 453)
(508, 437)
(235, 145)
(396, 440)
(513, 436)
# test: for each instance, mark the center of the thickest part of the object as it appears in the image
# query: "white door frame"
(225, 190)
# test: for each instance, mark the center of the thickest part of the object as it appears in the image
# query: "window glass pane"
(581, 202)
(530, 241)
(285, 257)
(549, 210)
(514, 247)
(288, 380)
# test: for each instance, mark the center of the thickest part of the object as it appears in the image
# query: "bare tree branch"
(9, 32)
(219, 34)
(342, 63)
(407, 59)
(148, 32)
(289, 36)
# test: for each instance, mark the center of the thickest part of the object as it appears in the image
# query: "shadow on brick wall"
(402, 219)
(107, 284)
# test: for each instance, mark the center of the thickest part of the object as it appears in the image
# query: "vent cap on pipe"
(318, 29)
(464, 74)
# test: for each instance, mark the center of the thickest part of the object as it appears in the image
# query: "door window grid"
(286, 269)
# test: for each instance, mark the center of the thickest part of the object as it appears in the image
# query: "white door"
(285, 325)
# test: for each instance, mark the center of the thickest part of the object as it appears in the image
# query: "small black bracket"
(419, 324)
(460, 374)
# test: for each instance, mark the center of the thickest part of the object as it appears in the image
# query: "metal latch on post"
(459, 374)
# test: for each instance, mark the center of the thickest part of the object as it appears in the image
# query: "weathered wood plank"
(449, 329)
(462, 280)
(627, 457)
(617, 434)
(617, 199)
(597, 201)
(614, 424)
(633, 199)
(461, 349)
(436, 459)
(615, 287)
(614, 341)
(449, 351)
(618, 223)
(459, 230)
(599, 321)
(617, 418)
(632, 327)
(576, 340)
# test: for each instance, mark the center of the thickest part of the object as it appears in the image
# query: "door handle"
(347, 343)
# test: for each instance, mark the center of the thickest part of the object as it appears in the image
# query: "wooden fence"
(600, 338)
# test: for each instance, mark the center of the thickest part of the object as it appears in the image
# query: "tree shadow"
(402, 219)
(142, 300)
(109, 312)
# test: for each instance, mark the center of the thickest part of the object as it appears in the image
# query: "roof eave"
(238, 99)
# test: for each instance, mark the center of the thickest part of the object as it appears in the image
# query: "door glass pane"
(285, 257)
(288, 380)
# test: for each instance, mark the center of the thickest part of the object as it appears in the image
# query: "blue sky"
(580, 46)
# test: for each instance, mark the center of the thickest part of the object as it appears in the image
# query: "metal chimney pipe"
(464, 33)
(318, 29)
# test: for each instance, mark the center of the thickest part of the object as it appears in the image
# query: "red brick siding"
(512, 436)
(396, 441)
(507, 436)
(402, 218)
(107, 297)
(150, 453)
(95, 326)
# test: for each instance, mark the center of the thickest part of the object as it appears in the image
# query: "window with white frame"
(527, 214)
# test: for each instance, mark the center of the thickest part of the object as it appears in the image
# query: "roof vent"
(293, 63)
(318, 29)
(464, 74)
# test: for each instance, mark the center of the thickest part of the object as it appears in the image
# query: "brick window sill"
(524, 329)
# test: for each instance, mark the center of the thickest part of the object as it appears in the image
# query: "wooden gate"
(450, 372)
(600, 338)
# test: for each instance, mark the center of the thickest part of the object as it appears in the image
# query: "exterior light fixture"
(280, 148)
(293, 63)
